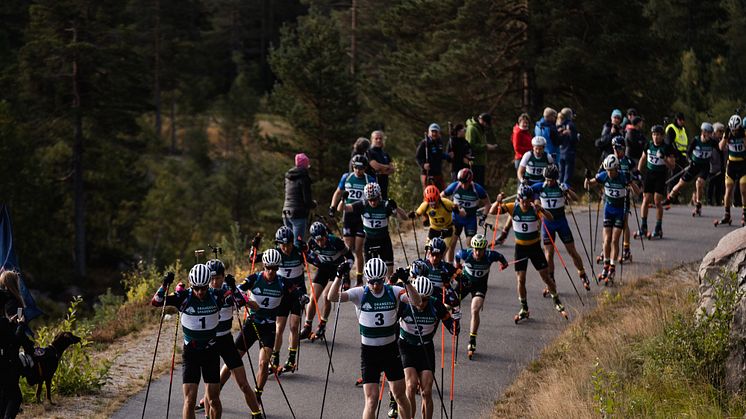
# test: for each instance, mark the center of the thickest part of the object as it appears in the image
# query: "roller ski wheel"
(643, 232)
(725, 220)
(522, 315)
(586, 282)
(545, 292)
(359, 382)
(603, 275)
(393, 410)
(599, 259)
(697, 210)
(626, 255)
(305, 332)
(657, 234)
(470, 350)
(609, 280)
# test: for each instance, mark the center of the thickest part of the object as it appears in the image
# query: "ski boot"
(560, 307)
(697, 210)
(257, 415)
(290, 366)
(274, 363)
(393, 409)
(609, 280)
(472, 346)
(657, 234)
(725, 220)
(305, 332)
(626, 255)
(642, 232)
(501, 238)
(319, 333)
(523, 314)
(258, 392)
(584, 279)
(599, 259)
(604, 274)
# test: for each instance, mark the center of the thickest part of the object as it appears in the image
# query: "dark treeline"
(142, 129)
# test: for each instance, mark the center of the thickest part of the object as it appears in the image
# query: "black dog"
(46, 361)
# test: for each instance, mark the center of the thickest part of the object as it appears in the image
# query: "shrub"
(77, 373)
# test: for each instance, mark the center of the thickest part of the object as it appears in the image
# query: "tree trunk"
(78, 187)
(353, 39)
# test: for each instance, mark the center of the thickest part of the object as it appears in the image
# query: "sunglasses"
(375, 281)
(272, 268)
(200, 289)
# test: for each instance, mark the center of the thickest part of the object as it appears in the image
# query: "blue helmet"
(437, 246)
(618, 142)
(284, 235)
(318, 230)
(216, 267)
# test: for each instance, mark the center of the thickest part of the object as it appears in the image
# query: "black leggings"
(10, 393)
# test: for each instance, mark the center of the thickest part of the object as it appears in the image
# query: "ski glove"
(168, 279)
(411, 214)
(588, 174)
(343, 269)
(332, 211)
(26, 360)
(303, 299)
(256, 241)
(391, 205)
(231, 281)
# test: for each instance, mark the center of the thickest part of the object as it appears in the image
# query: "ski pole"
(297, 353)
(155, 351)
(173, 360)
(245, 344)
(442, 347)
(253, 247)
(401, 240)
(582, 241)
(621, 248)
(380, 395)
(318, 309)
(513, 262)
(562, 260)
(416, 243)
(637, 219)
(598, 215)
(497, 223)
(453, 363)
(424, 349)
(331, 353)
(590, 222)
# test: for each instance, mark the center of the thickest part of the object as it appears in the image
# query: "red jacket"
(521, 140)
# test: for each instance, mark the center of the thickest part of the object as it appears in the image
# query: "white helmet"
(611, 162)
(199, 275)
(423, 286)
(271, 257)
(734, 122)
(539, 141)
(375, 269)
(372, 191)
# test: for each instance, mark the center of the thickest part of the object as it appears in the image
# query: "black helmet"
(551, 172)
(284, 235)
(437, 245)
(318, 230)
(359, 161)
(216, 267)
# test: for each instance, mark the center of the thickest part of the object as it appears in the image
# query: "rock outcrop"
(729, 255)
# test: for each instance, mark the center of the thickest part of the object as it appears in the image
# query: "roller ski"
(522, 315)
(545, 292)
(274, 363)
(393, 409)
(560, 307)
(604, 274)
(609, 280)
(657, 234)
(725, 220)
(305, 332)
(471, 349)
(320, 332)
(288, 367)
(586, 282)
(599, 259)
(642, 232)
(697, 210)
(626, 256)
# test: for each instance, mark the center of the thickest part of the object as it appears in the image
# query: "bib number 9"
(524, 227)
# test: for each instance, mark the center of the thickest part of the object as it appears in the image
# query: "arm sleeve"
(341, 184)
(690, 148)
(355, 295)
(450, 189)
(248, 283)
(524, 159)
(447, 204)
(421, 209)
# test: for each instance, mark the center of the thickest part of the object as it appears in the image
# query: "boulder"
(729, 255)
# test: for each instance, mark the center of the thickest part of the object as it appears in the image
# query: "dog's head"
(63, 340)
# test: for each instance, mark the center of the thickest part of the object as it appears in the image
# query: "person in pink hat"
(298, 201)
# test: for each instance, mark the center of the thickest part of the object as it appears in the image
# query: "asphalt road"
(503, 348)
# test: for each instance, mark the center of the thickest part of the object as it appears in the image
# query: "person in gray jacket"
(298, 201)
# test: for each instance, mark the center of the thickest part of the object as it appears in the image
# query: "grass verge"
(639, 353)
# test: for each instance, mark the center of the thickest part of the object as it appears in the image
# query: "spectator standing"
(569, 137)
(521, 138)
(546, 127)
(459, 151)
(716, 183)
(629, 119)
(430, 155)
(677, 138)
(635, 140)
(361, 147)
(380, 162)
(610, 130)
(298, 201)
(481, 139)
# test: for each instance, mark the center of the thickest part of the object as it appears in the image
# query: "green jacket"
(478, 137)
